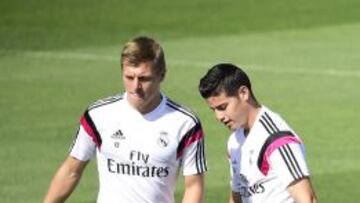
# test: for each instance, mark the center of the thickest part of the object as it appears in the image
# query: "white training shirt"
(267, 160)
(139, 156)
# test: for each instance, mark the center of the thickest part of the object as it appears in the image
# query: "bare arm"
(194, 189)
(302, 191)
(65, 180)
(235, 197)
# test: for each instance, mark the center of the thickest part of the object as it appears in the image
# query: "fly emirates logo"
(137, 166)
(247, 190)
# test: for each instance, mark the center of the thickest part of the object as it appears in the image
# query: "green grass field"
(56, 57)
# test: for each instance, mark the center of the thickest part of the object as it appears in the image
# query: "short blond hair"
(144, 49)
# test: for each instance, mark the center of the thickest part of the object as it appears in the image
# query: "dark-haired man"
(266, 156)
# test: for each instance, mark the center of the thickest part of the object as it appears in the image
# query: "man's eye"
(129, 77)
(221, 107)
(145, 79)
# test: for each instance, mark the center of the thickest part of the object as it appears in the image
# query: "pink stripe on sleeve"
(272, 147)
(191, 139)
(89, 130)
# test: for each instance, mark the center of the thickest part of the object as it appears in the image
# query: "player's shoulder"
(269, 115)
(271, 121)
(106, 101)
(181, 110)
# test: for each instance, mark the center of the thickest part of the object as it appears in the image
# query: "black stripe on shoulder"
(200, 157)
(272, 138)
(182, 109)
(267, 123)
(266, 115)
(265, 126)
(92, 125)
(285, 157)
(74, 140)
(294, 162)
(105, 101)
(186, 138)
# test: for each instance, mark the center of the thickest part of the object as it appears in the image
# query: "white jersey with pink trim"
(139, 156)
(267, 160)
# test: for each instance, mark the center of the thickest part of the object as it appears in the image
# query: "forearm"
(194, 189)
(311, 198)
(193, 196)
(64, 182)
(302, 191)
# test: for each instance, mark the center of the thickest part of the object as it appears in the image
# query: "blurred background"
(57, 57)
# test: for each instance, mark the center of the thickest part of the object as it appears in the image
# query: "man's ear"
(162, 76)
(244, 93)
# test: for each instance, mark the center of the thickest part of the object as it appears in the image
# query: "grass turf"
(56, 58)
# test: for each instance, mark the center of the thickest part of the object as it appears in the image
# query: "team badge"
(163, 140)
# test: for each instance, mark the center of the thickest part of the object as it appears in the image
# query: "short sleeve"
(192, 151)
(289, 162)
(85, 141)
(83, 147)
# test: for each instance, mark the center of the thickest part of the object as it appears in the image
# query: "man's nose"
(137, 84)
(220, 115)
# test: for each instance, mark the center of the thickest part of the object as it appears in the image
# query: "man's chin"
(229, 126)
(136, 101)
(137, 97)
(232, 128)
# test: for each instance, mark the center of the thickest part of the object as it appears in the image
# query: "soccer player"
(266, 156)
(141, 139)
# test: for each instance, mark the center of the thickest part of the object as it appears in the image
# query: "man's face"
(142, 84)
(231, 111)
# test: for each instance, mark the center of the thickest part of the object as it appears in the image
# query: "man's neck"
(151, 105)
(253, 113)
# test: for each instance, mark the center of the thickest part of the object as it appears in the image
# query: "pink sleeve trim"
(272, 147)
(191, 139)
(89, 131)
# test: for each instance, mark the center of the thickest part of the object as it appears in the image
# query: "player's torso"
(128, 138)
(139, 144)
(138, 154)
(251, 181)
(252, 184)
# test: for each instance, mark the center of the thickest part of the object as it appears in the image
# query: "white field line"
(190, 63)
(70, 56)
(270, 69)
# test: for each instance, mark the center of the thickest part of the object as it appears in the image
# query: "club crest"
(163, 140)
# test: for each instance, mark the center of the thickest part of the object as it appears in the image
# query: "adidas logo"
(118, 135)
